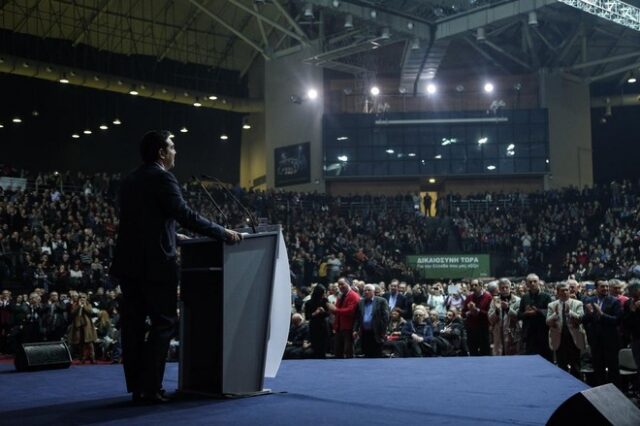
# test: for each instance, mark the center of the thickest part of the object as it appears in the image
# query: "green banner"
(442, 266)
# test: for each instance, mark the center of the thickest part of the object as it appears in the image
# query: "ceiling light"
(409, 25)
(488, 87)
(117, 121)
(348, 22)
(75, 136)
(336, 3)
(213, 97)
(87, 131)
(431, 88)
(483, 140)
(390, 151)
(432, 180)
(246, 125)
(386, 34)
(631, 80)
(64, 79)
(308, 11)
(312, 94)
(224, 137)
(343, 158)
(1, 126)
(412, 154)
(438, 157)
(103, 127)
(133, 91)
(511, 147)
(373, 14)
(197, 103)
(491, 167)
(184, 129)
(375, 91)
(533, 19)
(16, 120)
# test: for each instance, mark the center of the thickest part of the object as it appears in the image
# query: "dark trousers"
(370, 347)
(568, 355)
(537, 343)
(478, 341)
(144, 356)
(635, 350)
(604, 355)
(344, 344)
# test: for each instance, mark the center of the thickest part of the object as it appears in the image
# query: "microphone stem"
(213, 201)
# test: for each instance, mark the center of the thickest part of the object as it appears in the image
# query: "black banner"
(292, 164)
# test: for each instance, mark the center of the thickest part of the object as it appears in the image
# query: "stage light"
(213, 97)
(224, 137)
(431, 88)
(75, 136)
(343, 158)
(16, 120)
(491, 167)
(116, 121)
(375, 91)
(488, 87)
(103, 127)
(348, 22)
(312, 94)
(183, 129)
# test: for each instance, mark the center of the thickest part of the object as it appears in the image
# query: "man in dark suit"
(397, 300)
(145, 262)
(372, 319)
(602, 315)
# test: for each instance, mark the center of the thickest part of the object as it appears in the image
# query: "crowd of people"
(57, 238)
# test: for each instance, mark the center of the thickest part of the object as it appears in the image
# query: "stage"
(519, 390)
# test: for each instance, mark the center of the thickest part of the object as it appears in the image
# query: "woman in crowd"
(318, 316)
(417, 334)
(105, 333)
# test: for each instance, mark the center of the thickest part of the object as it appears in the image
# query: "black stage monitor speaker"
(42, 356)
(602, 405)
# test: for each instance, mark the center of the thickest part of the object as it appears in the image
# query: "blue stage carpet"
(519, 390)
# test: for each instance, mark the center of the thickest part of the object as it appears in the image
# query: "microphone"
(213, 201)
(252, 220)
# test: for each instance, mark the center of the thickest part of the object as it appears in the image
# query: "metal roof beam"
(291, 21)
(293, 35)
(181, 31)
(603, 61)
(487, 15)
(614, 72)
(87, 24)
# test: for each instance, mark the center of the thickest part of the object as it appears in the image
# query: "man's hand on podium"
(232, 237)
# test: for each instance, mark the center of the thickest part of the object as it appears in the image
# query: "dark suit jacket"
(150, 204)
(379, 317)
(603, 329)
(401, 303)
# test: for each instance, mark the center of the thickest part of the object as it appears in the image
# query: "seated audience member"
(298, 344)
(454, 333)
(417, 334)
(106, 334)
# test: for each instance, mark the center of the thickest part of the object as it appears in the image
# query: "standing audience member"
(395, 299)
(6, 321)
(315, 311)
(566, 335)
(533, 313)
(344, 311)
(631, 322)
(503, 320)
(371, 321)
(475, 312)
(83, 332)
(602, 316)
(54, 321)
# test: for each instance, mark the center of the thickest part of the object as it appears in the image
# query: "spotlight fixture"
(87, 131)
(16, 120)
(348, 22)
(197, 103)
(116, 121)
(1, 126)
(410, 25)
(375, 91)
(343, 158)
(483, 140)
(412, 154)
(488, 87)
(491, 167)
(390, 151)
(103, 127)
(631, 80)
(312, 94)
(308, 11)
(75, 136)
(438, 157)
(431, 88)
(183, 129)
(224, 137)
(64, 79)
(133, 91)
(213, 97)
(245, 124)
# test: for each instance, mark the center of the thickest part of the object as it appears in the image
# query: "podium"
(233, 327)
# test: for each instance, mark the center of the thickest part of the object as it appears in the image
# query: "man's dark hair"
(151, 143)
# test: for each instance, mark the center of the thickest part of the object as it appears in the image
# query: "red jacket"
(477, 319)
(345, 312)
